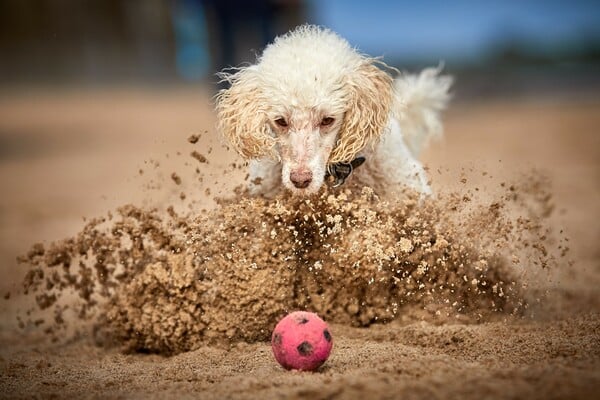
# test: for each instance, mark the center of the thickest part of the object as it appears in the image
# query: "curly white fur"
(312, 100)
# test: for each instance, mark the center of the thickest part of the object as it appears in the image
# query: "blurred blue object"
(191, 44)
(462, 30)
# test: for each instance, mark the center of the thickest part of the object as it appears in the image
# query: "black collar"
(341, 171)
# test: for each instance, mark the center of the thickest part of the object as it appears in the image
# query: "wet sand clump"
(167, 283)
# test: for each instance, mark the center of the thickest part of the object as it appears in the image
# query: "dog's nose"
(301, 178)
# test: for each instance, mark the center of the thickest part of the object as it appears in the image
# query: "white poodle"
(312, 109)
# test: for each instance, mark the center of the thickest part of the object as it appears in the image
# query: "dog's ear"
(370, 99)
(241, 114)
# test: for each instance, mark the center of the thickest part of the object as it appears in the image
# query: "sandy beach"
(68, 157)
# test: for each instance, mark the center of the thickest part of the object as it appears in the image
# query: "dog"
(313, 110)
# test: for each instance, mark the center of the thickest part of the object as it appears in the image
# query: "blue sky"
(454, 29)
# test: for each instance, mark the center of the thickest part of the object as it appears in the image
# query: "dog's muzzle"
(341, 171)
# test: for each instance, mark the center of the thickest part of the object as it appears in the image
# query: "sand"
(172, 289)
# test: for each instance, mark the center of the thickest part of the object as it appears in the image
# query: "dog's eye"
(327, 121)
(281, 122)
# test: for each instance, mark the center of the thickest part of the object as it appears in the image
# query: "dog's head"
(311, 100)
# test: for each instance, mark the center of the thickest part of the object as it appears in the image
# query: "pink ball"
(301, 340)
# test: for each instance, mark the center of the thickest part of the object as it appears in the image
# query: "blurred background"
(503, 47)
(98, 97)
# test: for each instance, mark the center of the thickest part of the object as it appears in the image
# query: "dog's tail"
(422, 97)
